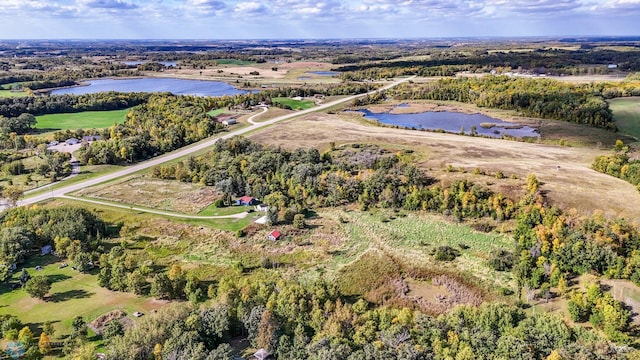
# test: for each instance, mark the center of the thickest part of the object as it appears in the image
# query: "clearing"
(153, 193)
(81, 120)
(626, 113)
(294, 104)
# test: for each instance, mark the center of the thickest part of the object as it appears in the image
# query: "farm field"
(81, 120)
(294, 104)
(626, 112)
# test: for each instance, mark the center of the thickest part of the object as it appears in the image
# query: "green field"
(81, 120)
(216, 112)
(9, 93)
(626, 113)
(294, 104)
(72, 294)
(234, 62)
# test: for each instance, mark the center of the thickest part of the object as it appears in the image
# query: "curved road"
(59, 192)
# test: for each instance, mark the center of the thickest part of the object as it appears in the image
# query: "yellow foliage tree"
(44, 344)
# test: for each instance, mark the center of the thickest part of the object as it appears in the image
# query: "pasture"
(626, 113)
(81, 120)
(294, 104)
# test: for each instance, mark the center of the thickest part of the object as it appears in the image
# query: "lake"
(174, 86)
(452, 122)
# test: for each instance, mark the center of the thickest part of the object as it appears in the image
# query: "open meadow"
(626, 112)
(81, 120)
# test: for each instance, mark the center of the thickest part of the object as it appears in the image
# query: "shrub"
(501, 261)
(446, 253)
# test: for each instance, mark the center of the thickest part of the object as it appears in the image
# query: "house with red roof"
(247, 201)
(274, 235)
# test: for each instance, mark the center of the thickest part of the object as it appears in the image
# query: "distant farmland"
(81, 120)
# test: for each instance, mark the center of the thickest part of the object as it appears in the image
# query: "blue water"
(165, 63)
(175, 86)
(324, 73)
(452, 122)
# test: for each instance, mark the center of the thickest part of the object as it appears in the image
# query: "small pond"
(165, 63)
(175, 86)
(324, 73)
(453, 122)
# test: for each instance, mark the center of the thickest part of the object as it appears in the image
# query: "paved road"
(59, 192)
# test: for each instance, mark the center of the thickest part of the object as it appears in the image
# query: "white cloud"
(250, 7)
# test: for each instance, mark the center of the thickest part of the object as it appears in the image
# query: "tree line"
(53, 104)
(542, 98)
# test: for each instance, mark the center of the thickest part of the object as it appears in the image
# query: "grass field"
(216, 112)
(155, 193)
(412, 237)
(81, 120)
(9, 93)
(294, 104)
(72, 294)
(626, 113)
(234, 62)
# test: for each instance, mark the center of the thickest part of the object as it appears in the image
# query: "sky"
(314, 19)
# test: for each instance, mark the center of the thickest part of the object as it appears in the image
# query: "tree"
(267, 331)
(113, 329)
(25, 336)
(24, 277)
(298, 221)
(44, 344)
(79, 327)
(157, 352)
(161, 286)
(38, 286)
(12, 194)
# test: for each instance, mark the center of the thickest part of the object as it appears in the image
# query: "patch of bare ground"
(441, 294)
(564, 171)
(155, 193)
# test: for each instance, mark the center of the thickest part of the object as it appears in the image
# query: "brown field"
(155, 193)
(564, 171)
(287, 72)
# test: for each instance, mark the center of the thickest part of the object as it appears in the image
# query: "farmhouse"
(274, 235)
(247, 201)
(229, 122)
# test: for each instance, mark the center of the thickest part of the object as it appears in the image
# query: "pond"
(175, 86)
(165, 63)
(453, 122)
(324, 73)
